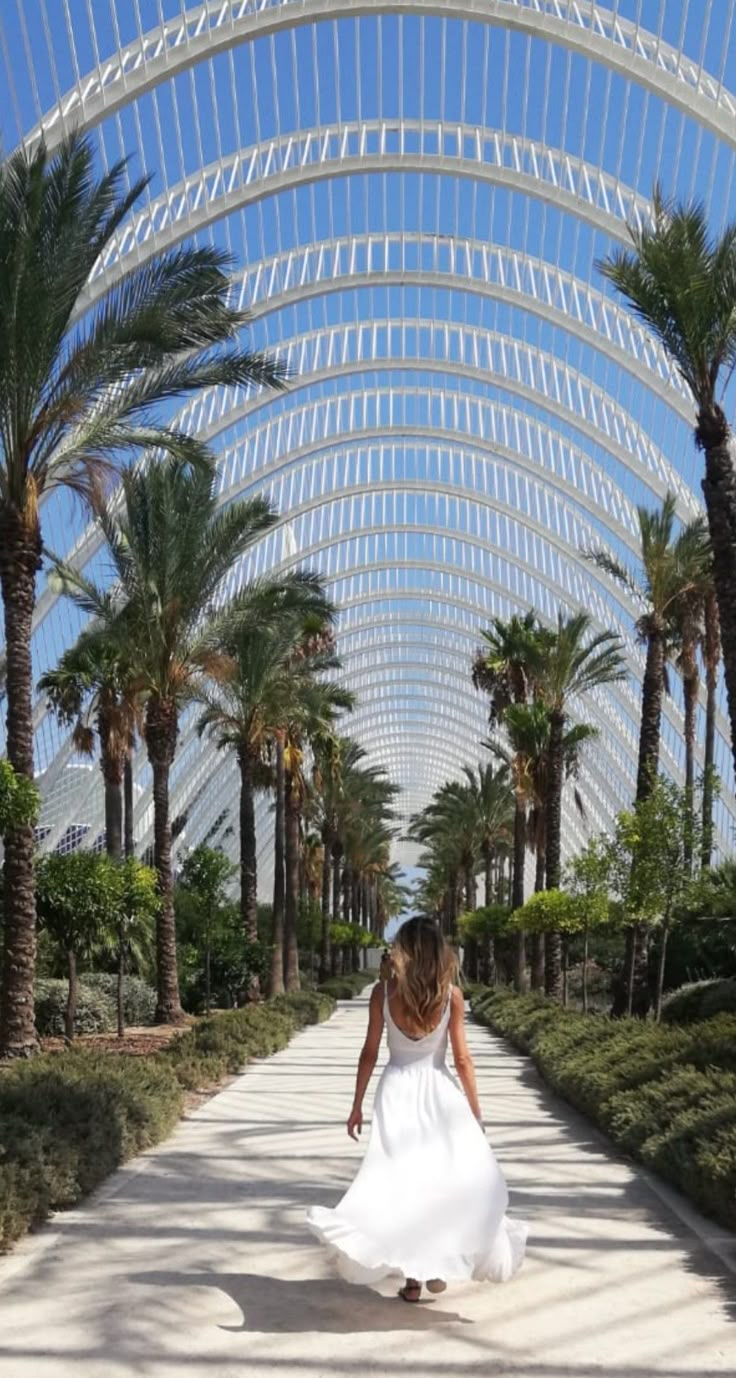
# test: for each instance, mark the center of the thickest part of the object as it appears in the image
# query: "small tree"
(480, 928)
(552, 911)
(203, 891)
(650, 868)
(588, 878)
(137, 902)
(77, 898)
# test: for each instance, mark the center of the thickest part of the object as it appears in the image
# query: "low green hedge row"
(346, 987)
(701, 1000)
(67, 1120)
(665, 1094)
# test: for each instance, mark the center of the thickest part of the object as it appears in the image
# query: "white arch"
(203, 31)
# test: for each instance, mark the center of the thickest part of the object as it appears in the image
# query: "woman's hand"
(355, 1123)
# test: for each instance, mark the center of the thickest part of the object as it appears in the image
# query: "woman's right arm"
(464, 1065)
(367, 1061)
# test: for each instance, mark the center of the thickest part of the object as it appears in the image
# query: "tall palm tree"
(93, 683)
(711, 652)
(527, 729)
(171, 547)
(77, 391)
(571, 666)
(688, 631)
(504, 670)
(670, 565)
(313, 708)
(491, 801)
(681, 282)
(245, 708)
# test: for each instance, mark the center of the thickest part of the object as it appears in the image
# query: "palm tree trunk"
(661, 964)
(276, 983)
(248, 852)
(488, 874)
(517, 891)
(248, 861)
(520, 961)
(324, 941)
(651, 715)
(355, 898)
(553, 802)
(336, 877)
(470, 891)
(711, 656)
(20, 551)
(112, 773)
(347, 890)
(690, 693)
(128, 807)
(719, 491)
(161, 730)
(291, 908)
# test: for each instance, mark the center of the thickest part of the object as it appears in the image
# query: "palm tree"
(527, 728)
(171, 546)
(568, 667)
(314, 705)
(490, 798)
(245, 709)
(77, 391)
(91, 681)
(681, 282)
(670, 566)
(504, 670)
(711, 652)
(688, 632)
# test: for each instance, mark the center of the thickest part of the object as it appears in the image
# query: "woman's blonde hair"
(425, 967)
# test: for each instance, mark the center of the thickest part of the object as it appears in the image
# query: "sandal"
(411, 1291)
(436, 1285)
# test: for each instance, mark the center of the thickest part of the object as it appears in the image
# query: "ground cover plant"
(69, 1119)
(665, 1094)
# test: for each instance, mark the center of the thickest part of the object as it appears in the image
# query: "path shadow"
(274, 1305)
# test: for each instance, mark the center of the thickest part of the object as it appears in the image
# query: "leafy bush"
(67, 1120)
(139, 1003)
(664, 1093)
(96, 1010)
(348, 986)
(700, 1000)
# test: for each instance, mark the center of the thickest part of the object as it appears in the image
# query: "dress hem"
(357, 1257)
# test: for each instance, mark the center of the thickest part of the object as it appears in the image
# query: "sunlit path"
(194, 1261)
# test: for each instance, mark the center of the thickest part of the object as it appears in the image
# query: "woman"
(429, 1201)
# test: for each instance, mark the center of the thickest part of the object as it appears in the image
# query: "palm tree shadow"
(273, 1305)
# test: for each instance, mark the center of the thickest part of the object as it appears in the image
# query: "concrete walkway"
(193, 1262)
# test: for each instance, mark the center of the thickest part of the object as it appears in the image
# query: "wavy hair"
(425, 967)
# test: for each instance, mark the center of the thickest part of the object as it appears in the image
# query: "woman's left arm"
(367, 1061)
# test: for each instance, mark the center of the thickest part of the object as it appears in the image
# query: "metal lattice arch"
(415, 195)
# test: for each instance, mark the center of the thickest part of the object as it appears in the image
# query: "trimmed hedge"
(664, 1094)
(69, 1119)
(701, 1000)
(346, 987)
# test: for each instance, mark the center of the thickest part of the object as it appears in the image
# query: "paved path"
(193, 1263)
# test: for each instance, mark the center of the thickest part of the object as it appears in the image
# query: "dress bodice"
(404, 1050)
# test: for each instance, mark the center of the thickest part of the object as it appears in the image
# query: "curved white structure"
(416, 195)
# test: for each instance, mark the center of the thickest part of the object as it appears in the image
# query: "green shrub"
(67, 1120)
(701, 1000)
(348, 986)
(96, 1011)
(666, 1094)
(139, 999)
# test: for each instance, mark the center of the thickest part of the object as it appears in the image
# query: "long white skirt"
(429, 1200)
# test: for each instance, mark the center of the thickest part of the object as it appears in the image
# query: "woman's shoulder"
(457, 999)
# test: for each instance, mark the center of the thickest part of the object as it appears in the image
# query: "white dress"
(429, 1200)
